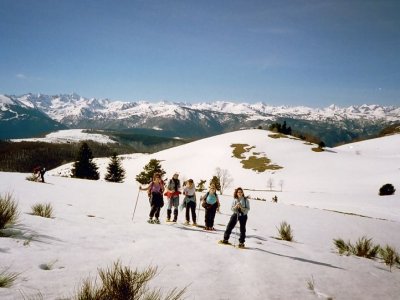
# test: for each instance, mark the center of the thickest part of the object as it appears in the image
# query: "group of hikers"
(209, 201)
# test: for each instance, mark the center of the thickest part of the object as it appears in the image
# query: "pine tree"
(200, 186)
(215, 181)
(84, 167)
(115, 172)
(146, 176)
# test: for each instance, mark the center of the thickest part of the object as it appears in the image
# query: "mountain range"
(34, 114)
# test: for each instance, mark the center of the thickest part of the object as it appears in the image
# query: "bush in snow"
(285, 231)
(115, 172)
(120, 282)
(389, 256)
(342, 246)
(386, 190)
(42, 210)
(215, 181)
(363, 247)
(7, 278)
(200, 186)
(31, 177)
(8, 210)
(84, 167)
(146, 176)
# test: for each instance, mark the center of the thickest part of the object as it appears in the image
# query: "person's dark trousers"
(156, 203)
(155, 211)
(169, 211)
(231, 225)
(191, 207)
(210, 215)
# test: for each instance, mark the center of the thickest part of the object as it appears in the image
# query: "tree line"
(25, 156)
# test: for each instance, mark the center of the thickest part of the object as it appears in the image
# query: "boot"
(175, 214)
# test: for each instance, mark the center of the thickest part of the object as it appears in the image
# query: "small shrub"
(42, 210)
(122, 283)
(342, 247)
(31, 177)
(311, 284)
(389, 256)
(365, 248)
(7, 278)
(285, 232)
(8, 210)
(386, 190)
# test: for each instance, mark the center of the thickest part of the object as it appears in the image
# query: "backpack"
(204, 200)
(151, 186)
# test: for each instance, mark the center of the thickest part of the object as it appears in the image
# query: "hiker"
(210, 202)
(38, 172)
(173, 197)
(190, 201)
(155, 191)
(240, 208)
(275, 199)
(41, 172)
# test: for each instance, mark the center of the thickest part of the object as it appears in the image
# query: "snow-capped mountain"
(20, 118)
(199, 119)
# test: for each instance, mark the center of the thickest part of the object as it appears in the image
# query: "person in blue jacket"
(210, 202)
(240, 208)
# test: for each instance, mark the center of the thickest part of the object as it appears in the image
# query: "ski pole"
(137, 198)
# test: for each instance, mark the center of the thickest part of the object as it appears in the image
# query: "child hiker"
(210, 203)
(240, 208)
(173, 197)
(190, 201)
(155, 192)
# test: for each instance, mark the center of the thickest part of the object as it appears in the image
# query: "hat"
(175, 173)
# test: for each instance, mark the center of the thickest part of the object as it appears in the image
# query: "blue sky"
(312, 53)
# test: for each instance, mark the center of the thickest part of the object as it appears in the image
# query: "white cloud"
(21, 76)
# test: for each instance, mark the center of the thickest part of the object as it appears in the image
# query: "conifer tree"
(115, 172)
(146, 176)
(84, 167)
(215, 181)
(200, 186)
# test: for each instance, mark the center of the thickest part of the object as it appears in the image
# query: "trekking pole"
(137, 198)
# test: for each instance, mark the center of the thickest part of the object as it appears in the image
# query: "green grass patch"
(317, 149)
(239, 149)
(277, 135)
(259, 164)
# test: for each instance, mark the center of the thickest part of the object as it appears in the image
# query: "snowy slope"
(68, 136)
(93, 228)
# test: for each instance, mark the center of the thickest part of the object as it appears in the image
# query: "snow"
(69, 136)
(5, 100)
(93, 226)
